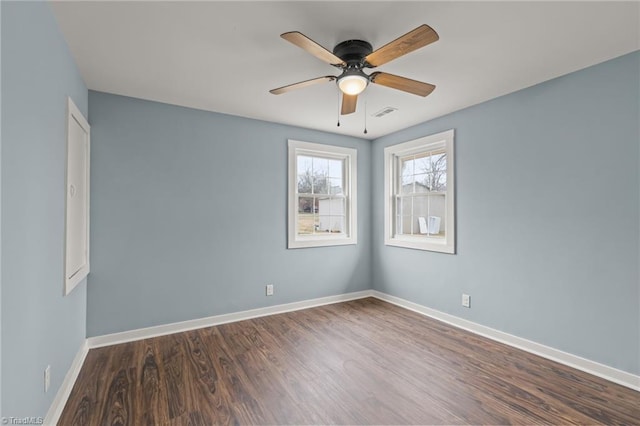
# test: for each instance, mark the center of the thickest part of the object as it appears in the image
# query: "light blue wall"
(188, 217)
(39, 325)
(547, 216)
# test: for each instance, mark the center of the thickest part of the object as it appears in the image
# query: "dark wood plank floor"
(359, 362)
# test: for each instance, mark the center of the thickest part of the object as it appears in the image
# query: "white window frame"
(392, 180)
(350, 157)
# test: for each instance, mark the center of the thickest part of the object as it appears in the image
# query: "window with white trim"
(419, 194)
(322, 195)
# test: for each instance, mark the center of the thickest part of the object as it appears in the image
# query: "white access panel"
(77, 199)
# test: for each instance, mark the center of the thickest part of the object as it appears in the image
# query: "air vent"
(384, 111)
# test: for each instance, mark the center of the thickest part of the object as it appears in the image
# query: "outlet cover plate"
(466, 300)
(47, 378)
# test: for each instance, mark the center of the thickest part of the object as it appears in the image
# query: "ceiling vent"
(384, 111)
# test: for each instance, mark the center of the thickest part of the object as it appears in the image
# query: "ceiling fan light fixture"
(353, 84)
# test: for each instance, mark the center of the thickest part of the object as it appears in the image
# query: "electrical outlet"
(466, 300)
(47, 378)
(269, 289)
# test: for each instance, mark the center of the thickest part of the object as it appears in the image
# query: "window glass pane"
(305, 204)
(439, 161)
(407, 167)
(304, 164)
(323, 223)
(305, 215)
(323, 205)
(420, 209)
(405, 225)
(439, 166)
(331, 206)
(339, 207)
(398, 224)
(406, 206)
(417, 228)
(304, 183)
(422, 163)
(422, 183)
(320, 184)
(305, 173)
(437, 215)
(320, 166)
(403, 215)
(423, 172)
(397, 208)
(335, 169)
(336, 224)
(439, 182)
(335, 186)
(407, 184)
(330, 224)
(320, 170)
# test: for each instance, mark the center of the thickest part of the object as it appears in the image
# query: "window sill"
(321, 241)
(439, 245)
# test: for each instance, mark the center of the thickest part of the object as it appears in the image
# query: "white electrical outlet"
(269, 289)
(466, 300)
(47, 378)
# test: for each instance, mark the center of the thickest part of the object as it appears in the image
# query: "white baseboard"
(609, 373)
(604, 371)
(60, 400)
(162, 330)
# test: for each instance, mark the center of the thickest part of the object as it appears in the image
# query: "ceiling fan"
(352, 56)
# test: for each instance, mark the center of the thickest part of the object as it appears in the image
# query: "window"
(322, 195)
(419, 194)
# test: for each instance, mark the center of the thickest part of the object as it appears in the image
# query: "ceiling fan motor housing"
(353, 80)
(353, 52)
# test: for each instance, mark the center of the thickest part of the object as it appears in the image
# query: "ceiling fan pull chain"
(338, 108)
(365, 114)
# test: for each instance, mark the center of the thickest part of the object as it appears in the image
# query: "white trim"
(600, 370)
(162, 330)
(614, 375)
(350, 157)
(75, 116)
(392, 153)
(60, 400)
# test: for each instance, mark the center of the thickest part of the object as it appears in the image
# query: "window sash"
(399, 195)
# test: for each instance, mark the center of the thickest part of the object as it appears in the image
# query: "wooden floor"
(359, 362)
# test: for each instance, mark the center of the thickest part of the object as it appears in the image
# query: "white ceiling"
(226, 56)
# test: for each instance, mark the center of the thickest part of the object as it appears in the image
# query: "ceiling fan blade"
(300, 85)
(312, 47)
(402, 83)
(349, 103)
(413, 40)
